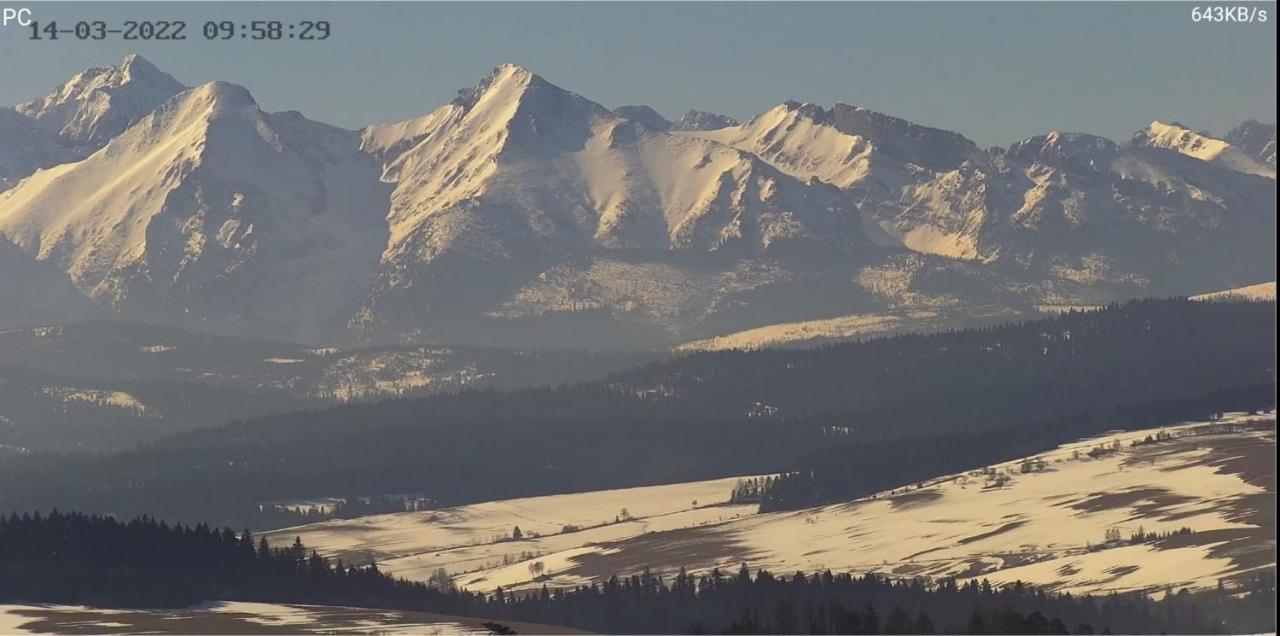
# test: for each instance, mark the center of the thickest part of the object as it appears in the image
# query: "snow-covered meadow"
(474, 542)
(1043, 520)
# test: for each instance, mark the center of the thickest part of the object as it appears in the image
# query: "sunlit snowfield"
(924, 319)
(557, 529)
(1047, 526)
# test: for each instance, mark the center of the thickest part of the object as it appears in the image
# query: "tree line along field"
(81, 559)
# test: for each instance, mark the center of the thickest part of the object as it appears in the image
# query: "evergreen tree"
(898, 622)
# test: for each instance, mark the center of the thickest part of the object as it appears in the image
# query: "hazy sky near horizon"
(996, 72)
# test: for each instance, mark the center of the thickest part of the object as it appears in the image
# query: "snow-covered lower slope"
(241, 617)
(212, 211)
(1043, 520)
(99, 103)
(1183, 140)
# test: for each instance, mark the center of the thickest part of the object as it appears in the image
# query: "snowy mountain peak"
(907, 141)
(506, 83)
(219, 96)
(578, 174)
(101, 102)
(1074, 151)
(522, 201)
(510, 102)
(526, 112)
(800, 140)
(645, 115)
(518, 168)
(805, 109)
(135, 68)
(1257, 139)
(856, 130)
(703, 120)
(1178, 138)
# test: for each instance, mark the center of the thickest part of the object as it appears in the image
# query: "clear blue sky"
(996, 72)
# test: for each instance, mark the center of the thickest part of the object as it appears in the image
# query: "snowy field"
(1259, 292)
(920, 320)
(474, 542)
(1048, 525)
(99, 397)
(241, 618)
(841, 327)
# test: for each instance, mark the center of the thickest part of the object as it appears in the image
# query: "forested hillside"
(702, 416)
(987, 377)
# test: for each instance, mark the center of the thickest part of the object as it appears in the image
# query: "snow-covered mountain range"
(1061, 201)
(518, 171)
(210, 210)
(99, 103)
(525, 214)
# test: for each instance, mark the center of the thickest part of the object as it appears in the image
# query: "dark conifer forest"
(898, 409)
(98, 561)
